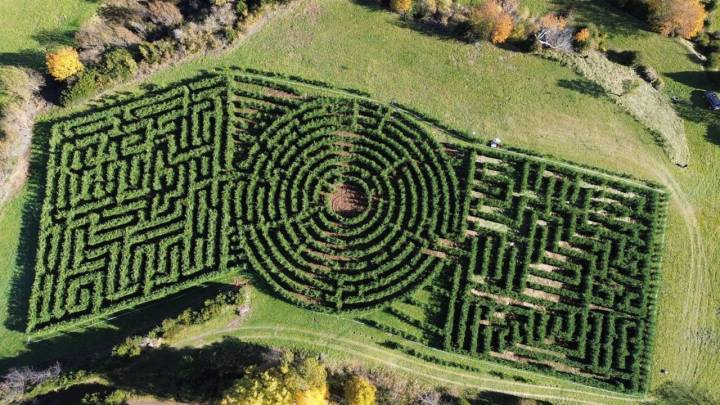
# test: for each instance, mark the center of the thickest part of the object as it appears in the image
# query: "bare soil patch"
(347, 200)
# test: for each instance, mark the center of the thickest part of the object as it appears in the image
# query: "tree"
(427, 8)
(554, 33)
(490, 21)
(359, 391)
(677, 17)
(315, 396)
(17, 381)
(300, 382)
(400, 6)
(63, 63)
(444, 8)
(583, 35)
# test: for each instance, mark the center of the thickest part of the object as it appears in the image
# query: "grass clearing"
(31, 26)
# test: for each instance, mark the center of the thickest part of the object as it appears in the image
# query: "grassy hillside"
(528, 102)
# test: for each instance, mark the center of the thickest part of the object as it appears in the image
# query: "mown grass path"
(698, 279)
(390, 359)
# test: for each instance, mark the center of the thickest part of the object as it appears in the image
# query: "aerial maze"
(345, 205)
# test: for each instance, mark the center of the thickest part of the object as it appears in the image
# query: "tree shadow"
(695, 79)
(492, 398)
(85, 347)
(606, 17)
(696, 109)
(28, 58)
(583, 86)
(197, 375)
(35, 58)
(56, 37)
(429, 28)
(21, 282)
(72, 395)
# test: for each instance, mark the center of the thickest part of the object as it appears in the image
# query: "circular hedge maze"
(344, 202)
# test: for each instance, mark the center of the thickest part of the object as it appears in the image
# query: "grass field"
(528, 102)
(30, 27)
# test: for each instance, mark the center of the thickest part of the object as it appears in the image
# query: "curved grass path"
(393, 360)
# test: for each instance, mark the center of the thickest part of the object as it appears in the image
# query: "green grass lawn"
(29, 27)
(528, 102)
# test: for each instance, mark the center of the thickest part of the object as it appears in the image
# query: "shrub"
(193, 39)
(400, 6)
(164, 14)
(684, 18)
(713, 61)
(157, 51)
(444, 8)
(82, 89)
(425, 8)
(583, 35)
(116, 65)
(490, 21)
(63, 63)
(131, 347)
(95, 37)
(552, 21)
(241, 9)
(502, 30)
(583, 39)
(123, 12)
(116, 397)
(359, 391)
(651, 76)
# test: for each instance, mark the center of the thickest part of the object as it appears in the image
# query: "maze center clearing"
(348, 200)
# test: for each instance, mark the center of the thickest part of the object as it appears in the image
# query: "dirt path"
(414, 366)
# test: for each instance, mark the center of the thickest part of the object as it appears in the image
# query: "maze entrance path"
(342, 204)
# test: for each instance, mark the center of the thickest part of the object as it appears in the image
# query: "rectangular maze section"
(562, 270)
(133, 206)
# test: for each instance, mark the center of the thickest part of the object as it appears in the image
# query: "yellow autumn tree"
(677, 17)
(583, 35)
(292, 382)
(552, 21)
(400, 6)
(503, 29)
(314, 396)
(63, 63)
(490, 21)
(359, 391)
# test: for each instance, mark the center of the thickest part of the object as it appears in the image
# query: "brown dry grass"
(650, 107)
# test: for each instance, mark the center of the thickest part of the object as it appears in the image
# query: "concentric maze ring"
(345, 203)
